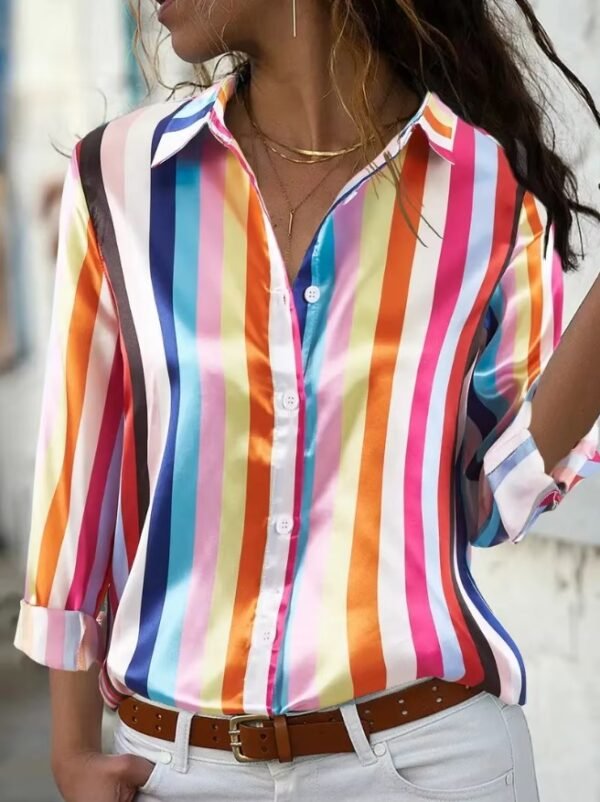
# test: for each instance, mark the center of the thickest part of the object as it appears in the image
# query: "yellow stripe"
(521, 301)
(235, 462)
(333, 666)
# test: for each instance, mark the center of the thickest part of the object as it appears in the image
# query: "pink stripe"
(304, 630)
(55, 638)
(212, 422)
(447, 289)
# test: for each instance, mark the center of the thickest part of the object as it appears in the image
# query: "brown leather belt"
(283, 737)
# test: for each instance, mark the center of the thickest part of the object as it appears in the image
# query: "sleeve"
(77, 458)
(504, 483)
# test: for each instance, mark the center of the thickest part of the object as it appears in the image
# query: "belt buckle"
(234, 730)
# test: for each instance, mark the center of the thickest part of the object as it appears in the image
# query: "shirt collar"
(434, 117)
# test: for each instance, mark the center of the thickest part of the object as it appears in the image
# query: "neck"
(293, 93)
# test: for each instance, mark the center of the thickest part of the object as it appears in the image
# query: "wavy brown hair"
(470, 53)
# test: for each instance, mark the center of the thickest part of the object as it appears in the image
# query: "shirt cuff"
(515, 476)
(65, 639)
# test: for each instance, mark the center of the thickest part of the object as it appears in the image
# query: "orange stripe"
(534, 275)
(438, 126)
(260, 445)
(79, 343)
(367, 663)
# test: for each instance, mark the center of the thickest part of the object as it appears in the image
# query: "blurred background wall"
(66, 67)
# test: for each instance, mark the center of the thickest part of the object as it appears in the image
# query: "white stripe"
(131, 219)
(283, 455)
(51, 437)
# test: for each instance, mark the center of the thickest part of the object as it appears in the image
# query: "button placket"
(312, 294)
(284, 524)
(290, 400)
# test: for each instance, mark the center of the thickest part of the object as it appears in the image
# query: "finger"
(133, 769)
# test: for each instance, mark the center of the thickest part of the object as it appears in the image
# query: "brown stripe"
(93, 187)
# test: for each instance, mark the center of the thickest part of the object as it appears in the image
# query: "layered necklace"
(302, 156)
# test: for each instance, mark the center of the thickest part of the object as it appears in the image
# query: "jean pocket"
(125, 743)
(460, 754)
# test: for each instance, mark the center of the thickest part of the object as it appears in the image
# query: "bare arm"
(567, 401)
(76, 707)
(81, 771)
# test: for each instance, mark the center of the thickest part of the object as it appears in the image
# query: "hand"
(96, 777)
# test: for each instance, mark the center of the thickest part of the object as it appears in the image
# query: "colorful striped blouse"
(252, 496)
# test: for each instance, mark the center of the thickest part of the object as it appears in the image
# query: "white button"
(267, 636)
(165, 757)
(284, 524)
(312, 293)
(379, 749)
(290, 399)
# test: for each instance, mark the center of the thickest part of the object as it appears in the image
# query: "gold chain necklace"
(319, 155)
(291, 209)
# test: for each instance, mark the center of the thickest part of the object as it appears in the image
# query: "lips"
(163, 6)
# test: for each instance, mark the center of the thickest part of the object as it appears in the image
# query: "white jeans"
(479, 749)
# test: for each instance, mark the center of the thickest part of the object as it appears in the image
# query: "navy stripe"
(162, 249)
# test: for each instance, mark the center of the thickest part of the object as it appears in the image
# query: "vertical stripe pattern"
(275, 484)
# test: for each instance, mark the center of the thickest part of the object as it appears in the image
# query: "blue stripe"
(163, 669)
(179, 123)
(499, 474)
(464, 571)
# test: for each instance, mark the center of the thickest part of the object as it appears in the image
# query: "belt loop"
(182, 741)
(282, 738)
(358, 736)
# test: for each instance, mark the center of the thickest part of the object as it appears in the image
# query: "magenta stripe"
(92, 542)
(447, 288)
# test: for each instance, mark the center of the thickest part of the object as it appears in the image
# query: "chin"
(190, 49)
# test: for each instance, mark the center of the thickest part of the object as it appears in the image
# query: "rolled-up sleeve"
(505, 486)
(78, 454)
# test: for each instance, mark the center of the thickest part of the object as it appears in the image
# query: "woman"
(285, 397)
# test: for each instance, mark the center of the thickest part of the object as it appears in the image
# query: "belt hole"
(135, 707)
(215, 738)
(158, 728)
(434, 687)
(439, 699)
(215, 726)
(159, 715)
(263, 749)
(367, 712)
(405, 712)
(134, 718)
(332, 718)
(400, 701)
(263, 735)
